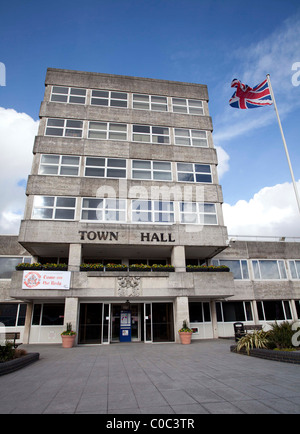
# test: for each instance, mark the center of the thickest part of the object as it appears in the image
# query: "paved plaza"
(136, 378)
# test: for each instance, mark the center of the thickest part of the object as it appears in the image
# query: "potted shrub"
(55, 267)
(27, 266)
(91, 267)
(185, 333)
(115, 267)
(68, 337)
(197, 268)
(139, 267)
(160, 267)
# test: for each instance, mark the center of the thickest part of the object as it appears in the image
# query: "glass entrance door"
(90, 323)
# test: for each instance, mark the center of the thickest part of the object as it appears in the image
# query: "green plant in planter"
(119, 267)
(160, 267)
(91, 267)
(185, 328)
(68, 331)
(140, 267)
(54, 267)
(280, 335)
(257, 339)
(27, 266)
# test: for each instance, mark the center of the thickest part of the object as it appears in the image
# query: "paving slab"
(136, 378)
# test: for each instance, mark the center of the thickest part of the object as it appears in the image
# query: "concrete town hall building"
(124, 172)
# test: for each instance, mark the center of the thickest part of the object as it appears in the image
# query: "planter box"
(197, 270)
(139, 269)
(115, 269)
(168, 270)
(15, 364)
(91, 269)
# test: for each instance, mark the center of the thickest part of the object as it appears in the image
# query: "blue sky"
(200, 41)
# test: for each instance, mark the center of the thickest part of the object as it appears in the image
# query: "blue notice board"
(125, 326)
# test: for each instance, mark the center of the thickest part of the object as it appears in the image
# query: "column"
(74, 257)
(178, 258)
(71, 311)
(181, 314)
(27, 324)
(214, 321)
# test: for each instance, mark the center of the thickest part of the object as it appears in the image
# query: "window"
(295, 269)
(190, 172)
(64, 128)
(239, 268)
(147, 211)
(185, 137)
(109, 98)
(232, 311)
(198, 213)
(51, 314)
(272, 310)
(63, 165)
(107, 131)
(150, 134)
(54, 208)
(105, 167)
(191, 106)
(297, 303)
(105, 210)
(199, 312)
(152, 170)
(68, 94)
(8, 265)
(269, 269)
(150, 102)
(12, 314)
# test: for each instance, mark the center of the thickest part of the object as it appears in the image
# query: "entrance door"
(90, 323)
(162, 322)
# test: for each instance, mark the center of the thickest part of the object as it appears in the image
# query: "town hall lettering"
(114, 236)
(93, 235)
(164, 238)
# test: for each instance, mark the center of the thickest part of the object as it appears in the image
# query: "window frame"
(109, 98)
(69, 95)
(190, 137)
(107, 131)
(194, 173)
(198, 213)
(59, 165)
(102, 210)
(153, 211)
(296, 269)
(261, 310)
(152, 170)
(64, 128)
(54, 208)
(187, 105)
(258, 268)
(106, 167)
(150, 102)
(151, 134)
(245, 311)
(17, 316)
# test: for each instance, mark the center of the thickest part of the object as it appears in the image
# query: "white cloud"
(17, 132)
(223, 160)
(272, 211)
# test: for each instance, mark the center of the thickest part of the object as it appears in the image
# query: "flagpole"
(284, 142)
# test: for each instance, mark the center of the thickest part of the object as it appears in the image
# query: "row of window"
(101, 167)
(262, 269)
(52, 314)
(116, 131)
(108, 98)
(115, 210)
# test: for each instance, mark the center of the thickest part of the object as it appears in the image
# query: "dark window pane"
(22, 314)
(53, 314)
(36, 314)
(195, 309)
(8, 314)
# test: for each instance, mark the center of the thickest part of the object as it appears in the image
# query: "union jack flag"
(246, 97)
